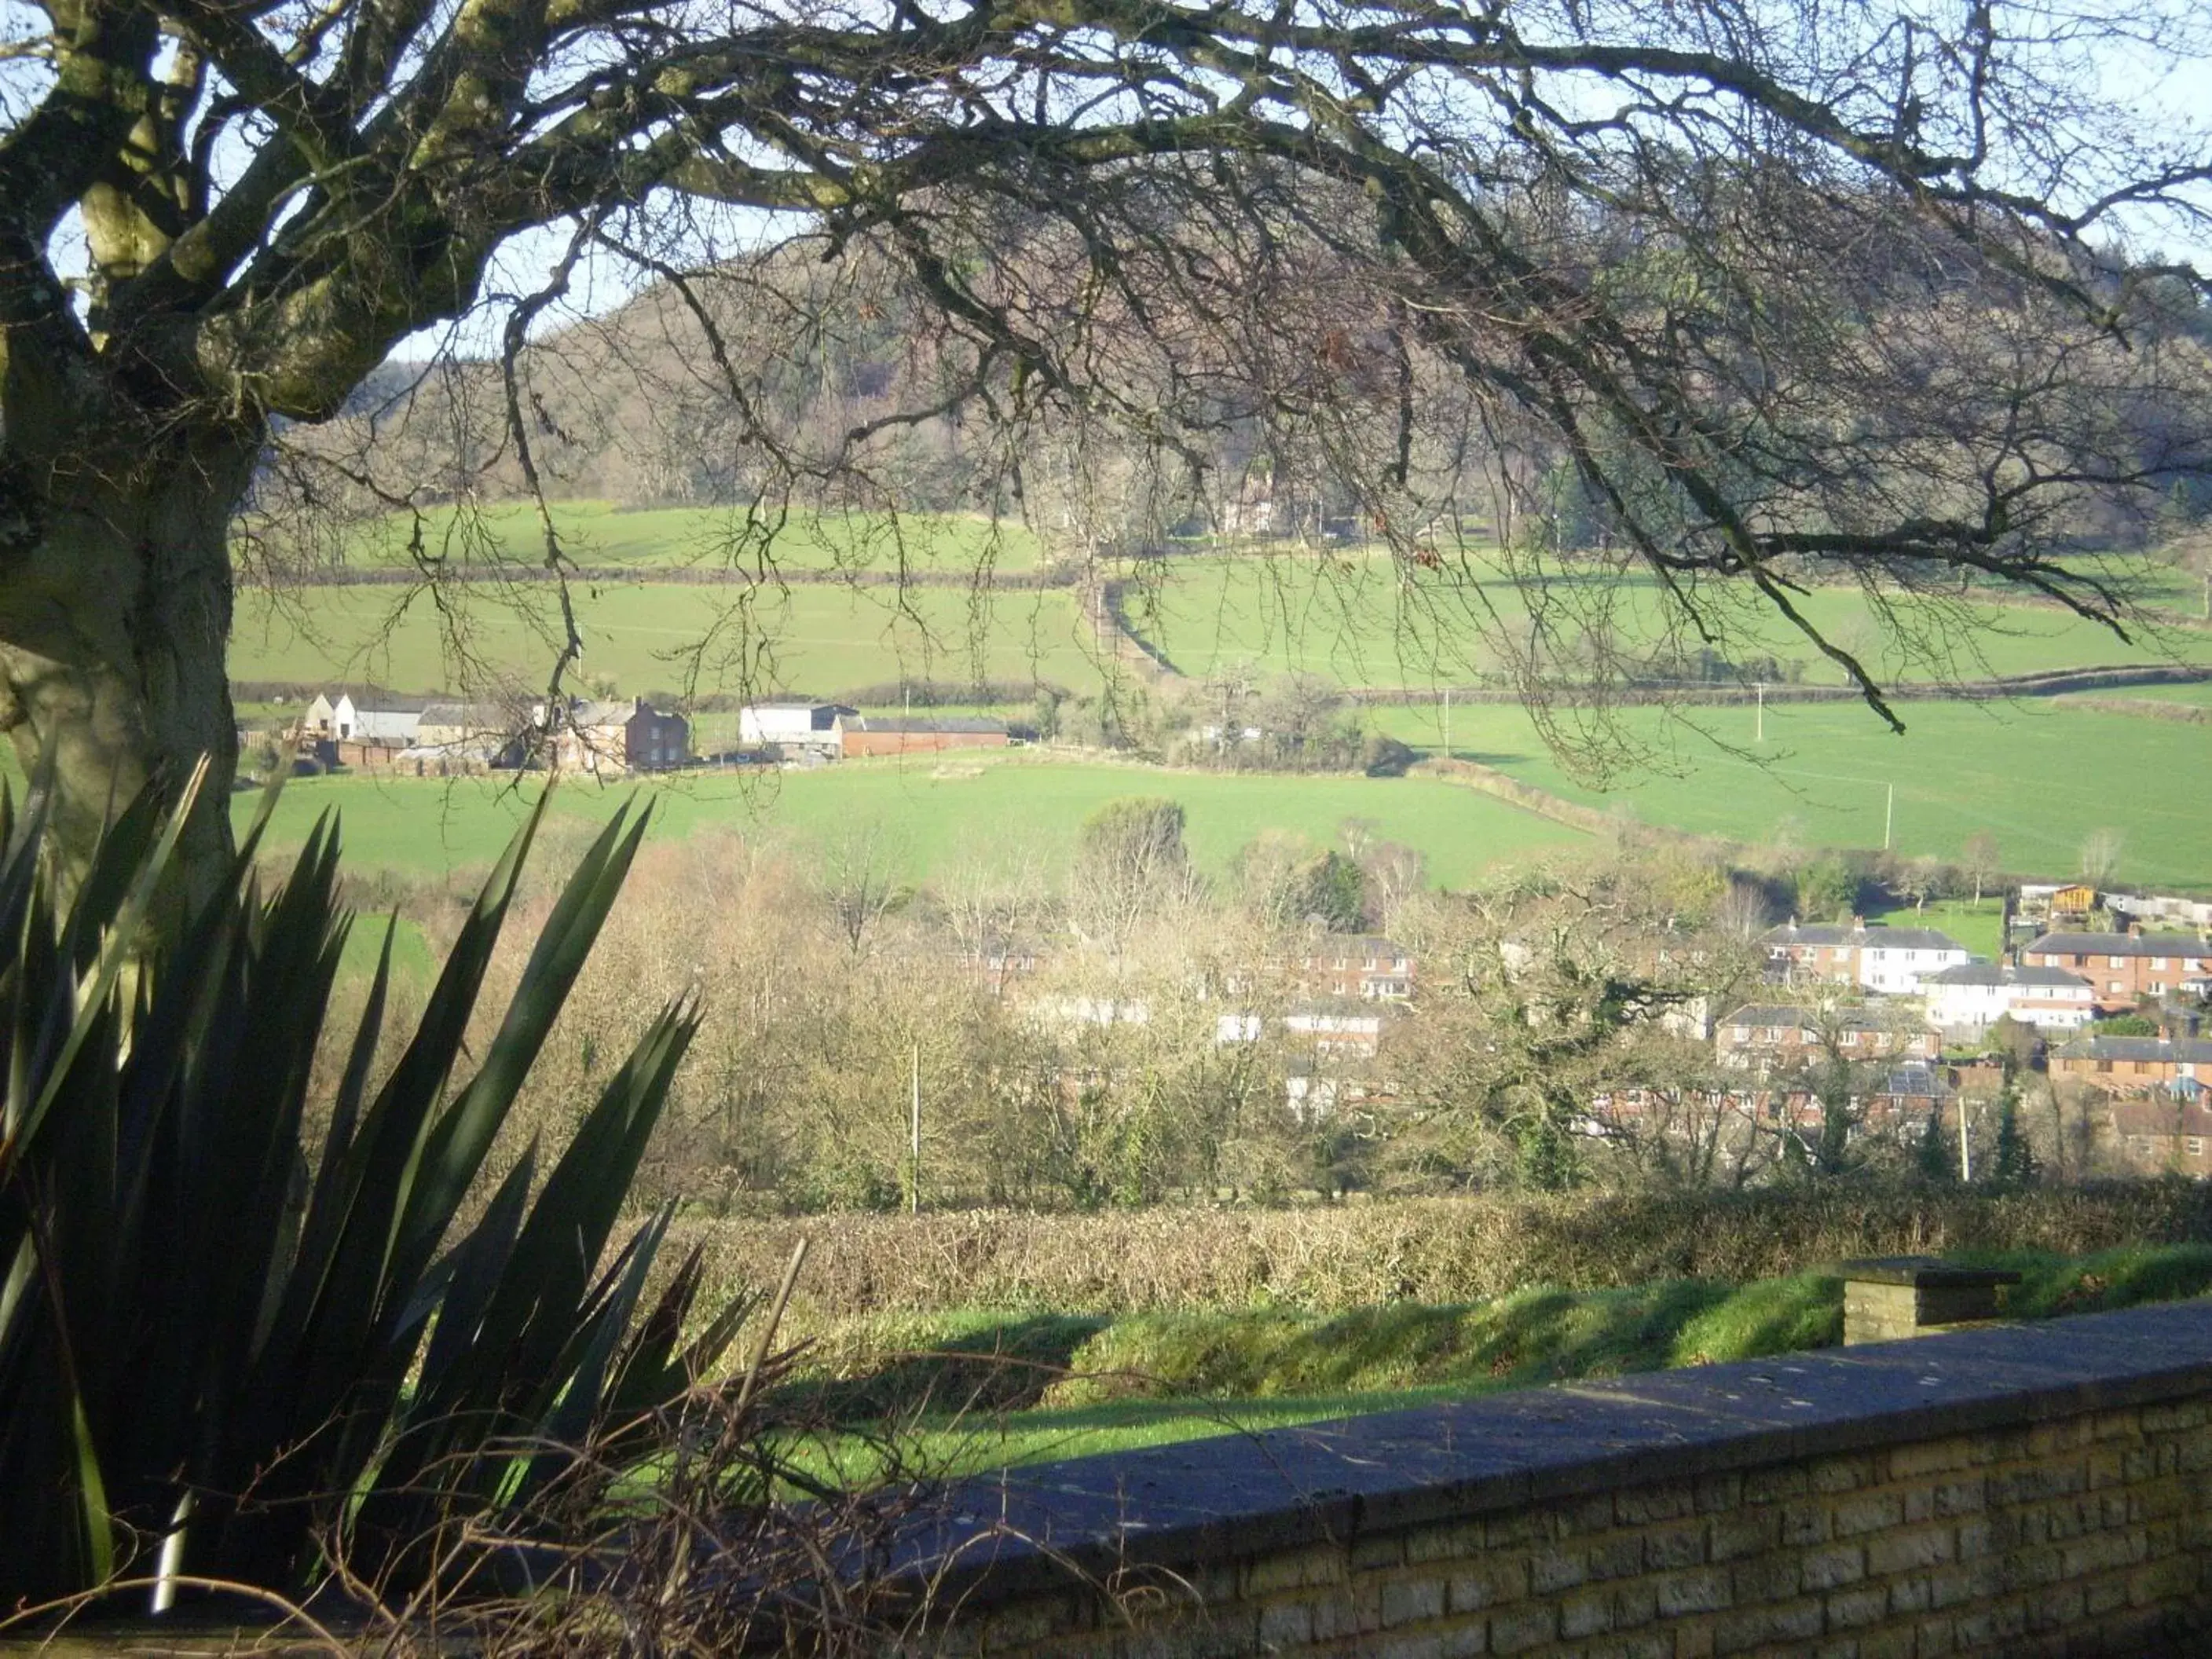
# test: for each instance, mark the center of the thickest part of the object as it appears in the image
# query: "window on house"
(2105, 1065)
(2195, 1145)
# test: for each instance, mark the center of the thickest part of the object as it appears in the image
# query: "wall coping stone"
(1021, 1531)
(1924, 1273)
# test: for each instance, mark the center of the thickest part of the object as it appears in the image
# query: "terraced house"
(2124, 969)
(2180, 1068)
(1891, 960)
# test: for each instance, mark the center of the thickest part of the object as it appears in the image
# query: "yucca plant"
(229, 1351)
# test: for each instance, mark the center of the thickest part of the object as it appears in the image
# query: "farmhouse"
(2180, 1066)
(654, 739)
(1971, 997)
(2123, 968)
(1891, 960)
(860, 735)
(793, 725)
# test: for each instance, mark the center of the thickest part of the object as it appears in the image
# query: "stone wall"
(2026, 1490)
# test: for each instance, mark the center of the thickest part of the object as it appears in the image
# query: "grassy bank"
(977, 1389)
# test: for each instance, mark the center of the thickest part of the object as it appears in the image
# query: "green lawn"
(933, 815)
(2039, 776)
(602, 534)
(1353, 617)
(1979, 927)
(644, 636)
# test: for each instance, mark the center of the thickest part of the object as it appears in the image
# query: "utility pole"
(1965, 1150)
(913, 1127)
(1448, 754)
(1889, 818)
(1760, 734)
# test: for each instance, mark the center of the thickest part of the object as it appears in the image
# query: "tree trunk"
(115, 606)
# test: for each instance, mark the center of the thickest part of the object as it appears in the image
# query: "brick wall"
(2024, 1490)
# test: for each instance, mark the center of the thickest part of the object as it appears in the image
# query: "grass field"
(2037, 775)
(817, 640)
(599, 533)
(932, 816)
(1350, 616)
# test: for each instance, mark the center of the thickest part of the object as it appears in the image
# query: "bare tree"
(1777, 293)
(859, 880)
(1984, 861)
(2101, 855)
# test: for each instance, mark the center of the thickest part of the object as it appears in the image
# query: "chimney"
(1858, 924)
(2135, 930)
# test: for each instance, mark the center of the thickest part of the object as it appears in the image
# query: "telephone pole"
(1761, 730)
(913, 1127)
(1448, 754)
(1889, 818)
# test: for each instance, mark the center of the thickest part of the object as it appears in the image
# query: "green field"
(1352, 616)
(931, 818)
(600, 533)
(818, 640)
(2037, 775)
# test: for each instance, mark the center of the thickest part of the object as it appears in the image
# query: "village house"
(2179, 1066)
(2150, 1137)
(1766, 1038)
(2123, 969)
(793, 726)
(1366, 966)
(1892, 960)
(860, 735)
(1335, 1026)
(1969, 1000)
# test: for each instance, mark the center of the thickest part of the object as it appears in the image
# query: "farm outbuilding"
(904, 734)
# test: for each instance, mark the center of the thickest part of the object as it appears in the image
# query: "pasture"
(930, 818)
(815, 639)
(2037, 775)
(600, 533)
(1355, 618)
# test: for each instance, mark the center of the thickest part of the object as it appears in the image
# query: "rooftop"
(2122, 944)
(1877, 936)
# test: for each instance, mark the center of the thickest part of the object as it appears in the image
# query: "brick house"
(653, 739)
(1366, 966)
(1768, 1037)
(2161, 1137)
(2123, 969)
(860, 735)
(2180, 1066)
(1890, 960)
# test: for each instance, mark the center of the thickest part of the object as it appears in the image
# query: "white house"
(1895, 960)
(1891, 960)
(1978, 994)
